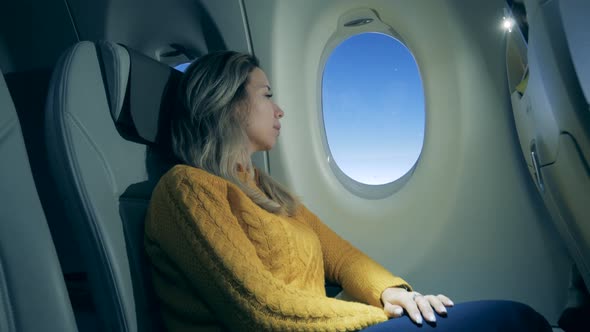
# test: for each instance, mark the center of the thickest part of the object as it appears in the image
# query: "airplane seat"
(103, 120)
(33, 295)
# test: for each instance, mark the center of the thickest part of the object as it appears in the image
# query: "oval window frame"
(372, 24)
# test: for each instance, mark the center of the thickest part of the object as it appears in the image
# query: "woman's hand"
(395, 300)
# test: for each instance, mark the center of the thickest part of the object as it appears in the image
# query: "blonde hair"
(208, 125)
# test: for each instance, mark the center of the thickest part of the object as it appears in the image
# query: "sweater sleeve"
(192, 224)
(358, 274)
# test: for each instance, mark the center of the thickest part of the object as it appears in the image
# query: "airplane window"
(373, 108)
(182, 67)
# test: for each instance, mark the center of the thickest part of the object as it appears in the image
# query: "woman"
(232, 249)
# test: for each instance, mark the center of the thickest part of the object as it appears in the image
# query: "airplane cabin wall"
(469, 223)
(34, 34)
(199, 26)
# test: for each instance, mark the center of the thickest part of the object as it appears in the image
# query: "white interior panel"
(469, 222)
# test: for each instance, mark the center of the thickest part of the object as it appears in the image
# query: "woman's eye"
(269, 96)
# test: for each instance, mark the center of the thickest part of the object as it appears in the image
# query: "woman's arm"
(366, 280)
(358, 274)
(192, 224)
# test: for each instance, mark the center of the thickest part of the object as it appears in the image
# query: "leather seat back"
(33, 295)
(103, 118)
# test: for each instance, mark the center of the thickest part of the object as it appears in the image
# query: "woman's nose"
(279, 112)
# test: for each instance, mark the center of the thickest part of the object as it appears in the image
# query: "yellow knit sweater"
(221, 262)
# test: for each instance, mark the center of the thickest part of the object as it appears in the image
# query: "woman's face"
(262, 125)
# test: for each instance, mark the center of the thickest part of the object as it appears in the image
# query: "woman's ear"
(242, 110)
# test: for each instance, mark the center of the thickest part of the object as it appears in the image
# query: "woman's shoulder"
(185, 175)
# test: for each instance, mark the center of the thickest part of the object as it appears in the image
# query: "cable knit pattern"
(221, 262)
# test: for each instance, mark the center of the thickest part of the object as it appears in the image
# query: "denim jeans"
(477, 316)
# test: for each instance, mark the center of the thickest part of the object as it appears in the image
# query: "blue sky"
(182, 67)
(373, 104)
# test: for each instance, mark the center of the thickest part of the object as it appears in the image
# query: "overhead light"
(508, 21)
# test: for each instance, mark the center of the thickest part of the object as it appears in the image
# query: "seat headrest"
(141, 92)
